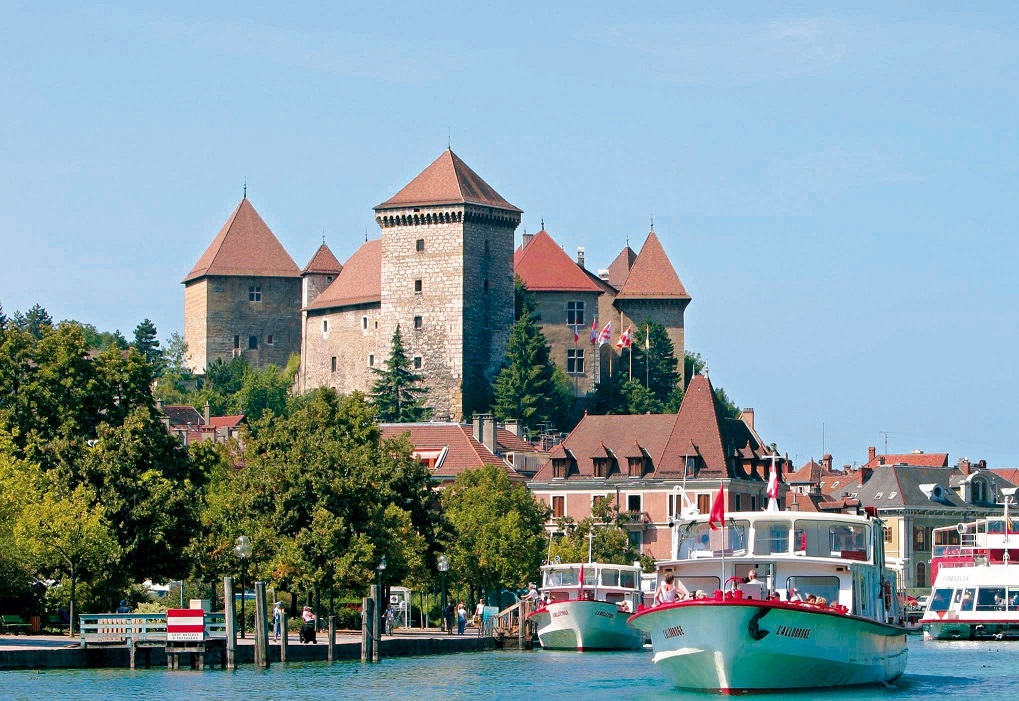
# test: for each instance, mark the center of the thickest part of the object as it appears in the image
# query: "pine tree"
(36, 322)
(525, 388)
(3, 318)
(397, 392)
(147, 344)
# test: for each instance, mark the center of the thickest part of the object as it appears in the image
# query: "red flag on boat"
(773, 483)
(581, 574)
(717, 510)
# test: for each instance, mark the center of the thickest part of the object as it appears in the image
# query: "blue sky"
(836, 188)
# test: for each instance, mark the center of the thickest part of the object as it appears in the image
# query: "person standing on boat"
(666, 593)
(751, 577)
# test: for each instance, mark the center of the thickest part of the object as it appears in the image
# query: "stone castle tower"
(447, 280)
(243, 297)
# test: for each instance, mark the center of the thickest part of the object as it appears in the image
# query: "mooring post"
(284, 641)
(367, 616)
(522, 628)
(230, 621)
(332, 638)
(376, 629)
(261, 627)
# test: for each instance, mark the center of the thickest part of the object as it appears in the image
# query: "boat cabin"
(615, 584)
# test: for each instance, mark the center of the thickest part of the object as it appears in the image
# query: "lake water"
(961, 671)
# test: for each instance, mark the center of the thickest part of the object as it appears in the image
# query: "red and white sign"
(185, 625)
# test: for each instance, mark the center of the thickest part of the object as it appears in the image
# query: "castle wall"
(312, 285)
(352, 339)
(552, 308)
(667, 312)
(222, 307)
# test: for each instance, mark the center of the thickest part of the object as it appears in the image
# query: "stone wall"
(312, 285)
(667, 312)
(223, 308)
(352, 339)
(552, 308)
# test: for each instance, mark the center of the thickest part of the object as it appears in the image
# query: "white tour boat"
(730, 635)
(976, 590)
(584, 606)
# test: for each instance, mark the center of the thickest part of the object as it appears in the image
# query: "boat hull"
(739, 647)
(585, 625)
(959, 630)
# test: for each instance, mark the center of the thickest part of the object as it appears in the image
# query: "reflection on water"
(963, 671)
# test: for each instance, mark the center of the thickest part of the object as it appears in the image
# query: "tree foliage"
(147, 343)
(497, 530)
(398, 392)
(573, 541)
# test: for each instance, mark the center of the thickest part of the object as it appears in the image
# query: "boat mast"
(590, 545)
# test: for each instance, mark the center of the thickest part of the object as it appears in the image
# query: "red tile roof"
(455, 444)
(698, 431)
(652, 275)
(810, 473)
(448, 180)
(620, 267)
(323, 262)
(245, 246)
(915, 459)
(1009, 474)
(545, 267)
(232, 421)
(836, 484)
(510, 442)
(360, 281)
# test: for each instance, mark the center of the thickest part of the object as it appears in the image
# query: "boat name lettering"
(604, 614)
(557, 614)
(673, 632)
(791, 632)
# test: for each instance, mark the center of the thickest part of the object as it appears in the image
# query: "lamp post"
(443, 568)
(242, 549)
(379, 611)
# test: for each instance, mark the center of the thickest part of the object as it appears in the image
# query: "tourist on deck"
(123, 608)
(700, 594)
(666, 593)
(751, 577)
(794, 596)
(461, 618)
(532, 593)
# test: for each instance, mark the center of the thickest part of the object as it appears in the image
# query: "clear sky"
(836, 188)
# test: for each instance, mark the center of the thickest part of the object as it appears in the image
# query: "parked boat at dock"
(730, 635)
(976, 591)
(584, 606)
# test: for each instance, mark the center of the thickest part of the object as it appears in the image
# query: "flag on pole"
(647, 338)
(576, 333)
(594, 332)
(626, 338)
(773, 489)
(606, 334)
(718, 510)
(581, 582)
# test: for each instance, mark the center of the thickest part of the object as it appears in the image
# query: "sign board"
(185, 625)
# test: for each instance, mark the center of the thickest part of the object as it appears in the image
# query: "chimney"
(826, 463)
(865, 473)
(513, 426)
(871, 453)
(491, 435)
(748, 417)
(206, 413)
(526, 240)
(580, 256)
(964, 466)
(479, 429)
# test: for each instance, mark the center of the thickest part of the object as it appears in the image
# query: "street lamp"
(443, 568)
(379, 612)
(242, 549)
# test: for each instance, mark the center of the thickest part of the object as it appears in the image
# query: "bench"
(15, 623)
(56, 622)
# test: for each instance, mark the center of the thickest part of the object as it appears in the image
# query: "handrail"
(127, 627)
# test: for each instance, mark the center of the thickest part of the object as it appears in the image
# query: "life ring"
(886, 587)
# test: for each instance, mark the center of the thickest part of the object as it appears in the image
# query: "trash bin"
(35, 624)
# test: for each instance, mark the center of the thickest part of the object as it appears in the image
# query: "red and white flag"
(773, 488)
(594, 332)
(625, 339)
(717, 510)
(606, 334)
(576, 334)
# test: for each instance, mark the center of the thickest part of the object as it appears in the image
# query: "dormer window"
(878, 495)
(601, 467)
(559, 468)
(691, 465)
(635, 466)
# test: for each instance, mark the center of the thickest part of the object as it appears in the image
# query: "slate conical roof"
(323, 262)
(652, 275)
(448, 180)
(245, 246)
(545, 267)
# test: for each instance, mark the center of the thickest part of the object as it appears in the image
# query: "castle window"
(255, 293)
(333, 364)
(237, 342)
(417, 362)
(418, 322)
(417, 286)
(252, 342)
(558, 507)
(364, 323)
(371, 360)
(325, 326)
(575, 361)
(268, 340)
(575, 314)
(420, 245)
(376, 324)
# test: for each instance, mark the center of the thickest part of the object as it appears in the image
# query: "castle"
(443, 270)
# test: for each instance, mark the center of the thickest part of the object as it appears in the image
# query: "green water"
(959, 671)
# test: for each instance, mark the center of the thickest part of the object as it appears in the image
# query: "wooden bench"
(56, 622)
(15, 623)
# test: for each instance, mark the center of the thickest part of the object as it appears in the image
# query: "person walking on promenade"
(450, 614)
(461, 618)
(479, 612)
(277, 619)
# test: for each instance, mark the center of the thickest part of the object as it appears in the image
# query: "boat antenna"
(590, 546)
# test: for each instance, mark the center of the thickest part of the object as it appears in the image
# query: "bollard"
(284, 637)
(367, 615)
(261, 627)
(332, 638)
(376, 629)
(231, 623)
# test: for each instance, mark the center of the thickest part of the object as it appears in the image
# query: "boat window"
(967, 600)
(590, 576)
(811, 538)
(610, 578)
(771, 537)
(941, 600)
(1013, 598)
(698, 540)
(828, 587)
(849, 542)
(691, 585)
(628, 579)
(991, 599)
(566, 577)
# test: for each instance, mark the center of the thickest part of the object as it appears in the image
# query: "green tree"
(36, 321)
(397, 392)
(610, 543)
(266, 389)
(147, 343)
(497, 527)
(526, 388)
(3, 318)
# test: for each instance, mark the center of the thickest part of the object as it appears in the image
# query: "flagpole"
(630, 350)
(721, 490)
(647, 357)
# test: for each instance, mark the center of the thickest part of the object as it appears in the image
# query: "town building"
(189, 426)
(639, 463)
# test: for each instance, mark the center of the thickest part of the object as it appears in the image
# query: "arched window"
(921, 575)
(978, 491)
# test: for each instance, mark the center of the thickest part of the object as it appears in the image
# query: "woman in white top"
(666, 593)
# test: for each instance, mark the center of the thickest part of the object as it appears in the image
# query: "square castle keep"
(443, 270)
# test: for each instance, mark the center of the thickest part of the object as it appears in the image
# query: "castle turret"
(318, 274)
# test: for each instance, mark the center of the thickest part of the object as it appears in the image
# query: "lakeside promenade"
(63, 652)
